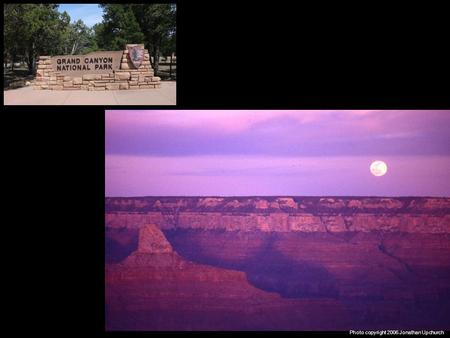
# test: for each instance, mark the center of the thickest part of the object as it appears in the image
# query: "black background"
(230, 54)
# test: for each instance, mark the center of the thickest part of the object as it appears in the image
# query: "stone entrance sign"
(136, 55)
(127, 69)
(93, 63)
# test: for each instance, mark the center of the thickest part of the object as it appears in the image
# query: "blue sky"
(89, 13)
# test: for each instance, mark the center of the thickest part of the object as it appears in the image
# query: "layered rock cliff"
(283, 263)
(283, 214)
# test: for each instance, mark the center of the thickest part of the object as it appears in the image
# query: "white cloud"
(226, 121)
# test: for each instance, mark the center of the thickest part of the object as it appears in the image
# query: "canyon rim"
(277, 263)
(265, 220)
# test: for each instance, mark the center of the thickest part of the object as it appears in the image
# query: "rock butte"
(277, 263)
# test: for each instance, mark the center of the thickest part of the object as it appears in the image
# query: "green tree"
(118, 28)
(44, 29)
(169, 46)
(151, 24)
(158, 23)
(31, 30)
(97, 31)
(78, 39)
(13, 33)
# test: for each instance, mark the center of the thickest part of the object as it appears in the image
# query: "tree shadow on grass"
(16, 79)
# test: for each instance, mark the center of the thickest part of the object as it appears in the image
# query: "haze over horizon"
(276, 153)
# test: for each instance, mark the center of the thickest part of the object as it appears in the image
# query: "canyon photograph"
(277, 220)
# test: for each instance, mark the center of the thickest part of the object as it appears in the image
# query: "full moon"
(378, 168)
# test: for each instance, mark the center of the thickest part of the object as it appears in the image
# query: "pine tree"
(119, 27)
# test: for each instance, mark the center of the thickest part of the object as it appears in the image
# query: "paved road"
(166, 95)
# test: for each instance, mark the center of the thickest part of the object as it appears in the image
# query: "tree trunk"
(155, 59)
(30, 63)
(156, 62)
(170, 69)
(31, 59)
(151, 62)
(74, 48)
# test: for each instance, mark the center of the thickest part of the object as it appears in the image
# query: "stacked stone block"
(127, 77)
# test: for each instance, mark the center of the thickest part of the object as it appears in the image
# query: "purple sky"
(284, 152)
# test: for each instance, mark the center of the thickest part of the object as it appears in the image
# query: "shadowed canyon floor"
(277, 263)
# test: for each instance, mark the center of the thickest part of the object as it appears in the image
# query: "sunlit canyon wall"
(277, 263)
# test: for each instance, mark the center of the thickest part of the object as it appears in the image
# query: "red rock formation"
(279, 263)
(152, 240)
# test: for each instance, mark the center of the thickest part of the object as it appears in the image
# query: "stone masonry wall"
(127, 77)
